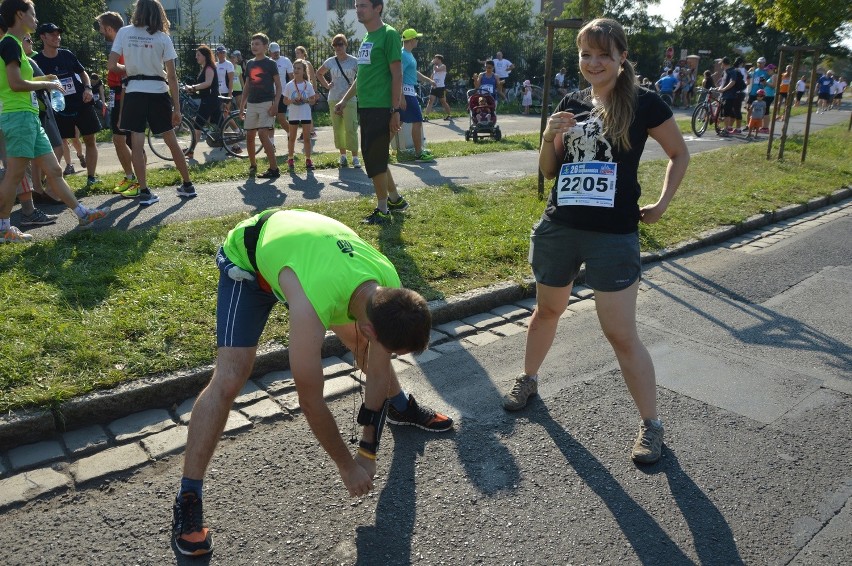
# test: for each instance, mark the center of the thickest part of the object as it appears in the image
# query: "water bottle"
(57, 99)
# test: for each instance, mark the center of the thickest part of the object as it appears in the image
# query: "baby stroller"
(481, 107)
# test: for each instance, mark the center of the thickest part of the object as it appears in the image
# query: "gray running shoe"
(648, 446)
(524, 388)
(38, 218)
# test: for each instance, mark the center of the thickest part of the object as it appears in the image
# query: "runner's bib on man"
(588, 183)
(364, 53)
(408, 90)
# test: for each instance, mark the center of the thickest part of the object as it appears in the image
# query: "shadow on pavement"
(770, 327)
(652, 544)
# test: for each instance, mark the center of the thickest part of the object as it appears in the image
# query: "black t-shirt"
(213, 90)
(585, 143)
(65, 66)
(734, 75)
(260, 75)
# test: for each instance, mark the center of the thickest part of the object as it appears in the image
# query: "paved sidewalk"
(95, 449)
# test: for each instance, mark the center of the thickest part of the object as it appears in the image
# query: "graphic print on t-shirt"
(586, 142)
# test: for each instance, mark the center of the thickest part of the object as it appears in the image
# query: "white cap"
(274, 48)
(761, 59)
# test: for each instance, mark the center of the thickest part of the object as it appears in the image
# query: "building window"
(172, 16)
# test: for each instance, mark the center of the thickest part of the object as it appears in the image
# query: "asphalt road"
(753, 360)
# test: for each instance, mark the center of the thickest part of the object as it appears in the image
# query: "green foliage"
(341, 25)
(284, 21)
(77, 18)
(817, 22)
(239, 24)
(188, 36)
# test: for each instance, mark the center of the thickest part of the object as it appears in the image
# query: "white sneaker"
(355, 162)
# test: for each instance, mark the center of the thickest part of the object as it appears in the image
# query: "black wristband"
(370, 447)
(366, 417)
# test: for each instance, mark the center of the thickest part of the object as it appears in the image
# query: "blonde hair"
(618, 110)
(303, 50)
(304, 67)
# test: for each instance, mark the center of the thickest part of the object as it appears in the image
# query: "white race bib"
(34, 99)
(111, 99)
(487, 88)
(68, 85)
(408, 90)
(364, 53)
(589, 183)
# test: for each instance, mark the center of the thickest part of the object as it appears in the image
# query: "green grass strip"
(90, 310)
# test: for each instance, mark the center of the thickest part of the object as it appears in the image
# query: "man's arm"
(306, 365)
(113, 64)
(88, 94)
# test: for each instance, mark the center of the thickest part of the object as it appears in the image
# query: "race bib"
(68, 85)
(111, 99)
(364, 53)
(590, 183)
(488, 88)
(33, 99)
(408, 90)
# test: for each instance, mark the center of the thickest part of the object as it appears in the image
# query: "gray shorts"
(557, 252)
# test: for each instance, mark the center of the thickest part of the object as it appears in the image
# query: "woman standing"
(592, 216)
(343, 68)
(25, 138)
(239, 71)
(207, 90)
(302, 53)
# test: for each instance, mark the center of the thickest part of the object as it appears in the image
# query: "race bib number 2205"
(589, 183)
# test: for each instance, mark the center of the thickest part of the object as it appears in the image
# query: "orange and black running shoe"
(191, 536)
(419, 416)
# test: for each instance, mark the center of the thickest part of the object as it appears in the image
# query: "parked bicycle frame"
(228, 133)
(708, 111)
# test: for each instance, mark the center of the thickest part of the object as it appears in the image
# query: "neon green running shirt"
(378, 50)
(14, 101)
(328, 257)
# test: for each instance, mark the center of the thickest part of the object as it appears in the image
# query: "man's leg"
(123, 153)
(211, 409)
(91, 154)
(417, 137)
(138, 158)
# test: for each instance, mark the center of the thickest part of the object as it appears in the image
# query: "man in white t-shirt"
(502, 68)
(225, 74)
(151, 98)
(285, 71)
(838, 88)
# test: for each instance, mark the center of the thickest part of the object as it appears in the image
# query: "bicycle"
(708, 111)
(228, 133)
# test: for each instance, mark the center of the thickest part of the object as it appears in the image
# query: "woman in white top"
(302, 53)
(343, 68)
(801, 87)
(439, 75)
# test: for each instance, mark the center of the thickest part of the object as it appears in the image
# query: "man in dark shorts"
(732, 101)
(285, 72)
(79, 110)
(108, 25)
(379, 91)
(151, 98)
(329, 279)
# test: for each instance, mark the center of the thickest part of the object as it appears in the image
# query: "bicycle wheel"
(700, 119)
(234, 135)
(185, 133)
(716, 115)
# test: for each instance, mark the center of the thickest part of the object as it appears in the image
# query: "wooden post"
(551, 25)
(788, 109)
(810, 105)
(775, 106)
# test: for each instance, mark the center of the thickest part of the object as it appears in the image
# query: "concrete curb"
(28, 426)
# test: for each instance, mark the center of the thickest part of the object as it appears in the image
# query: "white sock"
(81, 211)
(5, 224)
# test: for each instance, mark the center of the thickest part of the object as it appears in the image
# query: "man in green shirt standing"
(330, 279)
(379, 91)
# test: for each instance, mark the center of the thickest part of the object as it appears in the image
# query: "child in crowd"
(758, 111)
(482, 111)
(259, 104)
(526, 101)
(299, 95)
